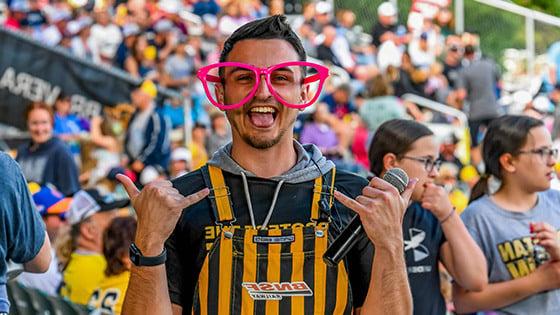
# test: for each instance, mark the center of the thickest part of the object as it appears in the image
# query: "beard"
(262, 144)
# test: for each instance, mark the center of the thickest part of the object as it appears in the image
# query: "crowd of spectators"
(164, 43)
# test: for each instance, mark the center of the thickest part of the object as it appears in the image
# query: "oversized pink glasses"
(281, 79)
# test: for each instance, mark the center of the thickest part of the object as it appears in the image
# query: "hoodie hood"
(304, 170)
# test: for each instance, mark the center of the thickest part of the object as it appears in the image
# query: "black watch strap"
(140, 260)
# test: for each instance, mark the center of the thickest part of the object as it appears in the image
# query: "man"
(323, 16)
(452, 62)
(477, 85)
(23, 238)
(334, 49)
(147, 137)
(287, 179)
(52, 207)
(387, 27)
(89, 215)
(220, 133)
(179, 66)
(105, 37)
(181, 162)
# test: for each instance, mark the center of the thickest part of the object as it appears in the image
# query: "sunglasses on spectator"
(281, 80)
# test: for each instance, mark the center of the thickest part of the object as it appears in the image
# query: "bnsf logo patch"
(276, 290)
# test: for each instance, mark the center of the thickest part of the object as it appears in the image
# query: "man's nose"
(263, 92)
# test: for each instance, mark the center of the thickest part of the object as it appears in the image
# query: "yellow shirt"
(83, 276)
(109, 297)
(199, 155)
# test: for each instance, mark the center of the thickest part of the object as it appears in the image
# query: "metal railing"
(461, 129)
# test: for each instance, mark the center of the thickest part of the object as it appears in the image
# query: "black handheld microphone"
(349, 236)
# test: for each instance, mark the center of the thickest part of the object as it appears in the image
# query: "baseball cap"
(468, 173)
(19, 6)
(86, 203)
(169, 6)
(181, 154)
(210, 20)
(386, 9)
(323, 7)
(130, 29)
(48, 200)
(149, 88)
(163, 25)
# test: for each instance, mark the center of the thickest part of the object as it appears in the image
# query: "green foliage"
(547, 6)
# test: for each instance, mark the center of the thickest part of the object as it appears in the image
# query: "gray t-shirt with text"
(505, 240)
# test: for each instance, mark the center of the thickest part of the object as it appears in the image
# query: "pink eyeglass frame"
(204, 76)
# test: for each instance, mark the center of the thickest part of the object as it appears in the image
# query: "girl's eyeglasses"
(544, 153)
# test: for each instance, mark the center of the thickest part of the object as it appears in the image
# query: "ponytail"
(480, 188)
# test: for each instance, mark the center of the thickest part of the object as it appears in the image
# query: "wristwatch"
(140, 260)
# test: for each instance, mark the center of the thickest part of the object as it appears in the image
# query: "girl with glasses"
(514, 217)
(433, 232)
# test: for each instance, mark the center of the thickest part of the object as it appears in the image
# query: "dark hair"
(470, 50)
(62, 96)
(273, 27)
(116, 241)
(507, 134)
(394, 136)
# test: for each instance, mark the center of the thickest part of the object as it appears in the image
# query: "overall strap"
(219, 194)
(323, 194)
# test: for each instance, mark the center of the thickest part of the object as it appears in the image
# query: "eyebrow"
(284, 69)
(236, 69)
(543, 147)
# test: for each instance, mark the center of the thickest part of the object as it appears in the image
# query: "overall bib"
(252, 270)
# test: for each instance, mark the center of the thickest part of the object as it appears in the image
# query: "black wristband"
(139, 259)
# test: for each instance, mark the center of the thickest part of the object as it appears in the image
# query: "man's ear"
(305, 93)
(219, 91)
(88, 230)
(389, 161)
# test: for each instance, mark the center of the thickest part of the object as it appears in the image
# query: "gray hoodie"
(304, 170)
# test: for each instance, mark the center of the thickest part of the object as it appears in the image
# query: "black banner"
(30, 71)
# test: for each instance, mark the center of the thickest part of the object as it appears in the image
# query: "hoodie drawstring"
(250, 206)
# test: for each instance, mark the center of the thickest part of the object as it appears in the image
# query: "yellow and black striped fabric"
(275, 271)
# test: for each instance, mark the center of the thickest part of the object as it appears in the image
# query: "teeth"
(263, 110)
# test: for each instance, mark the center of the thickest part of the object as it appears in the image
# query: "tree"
(547, 6)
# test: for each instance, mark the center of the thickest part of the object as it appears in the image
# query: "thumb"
(128, 185)
(409, 189)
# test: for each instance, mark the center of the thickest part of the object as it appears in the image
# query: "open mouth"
(262, 116)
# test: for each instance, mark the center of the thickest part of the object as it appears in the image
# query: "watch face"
(134, 254)
(139, 260)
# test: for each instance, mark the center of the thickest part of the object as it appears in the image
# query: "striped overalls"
(270, 271)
